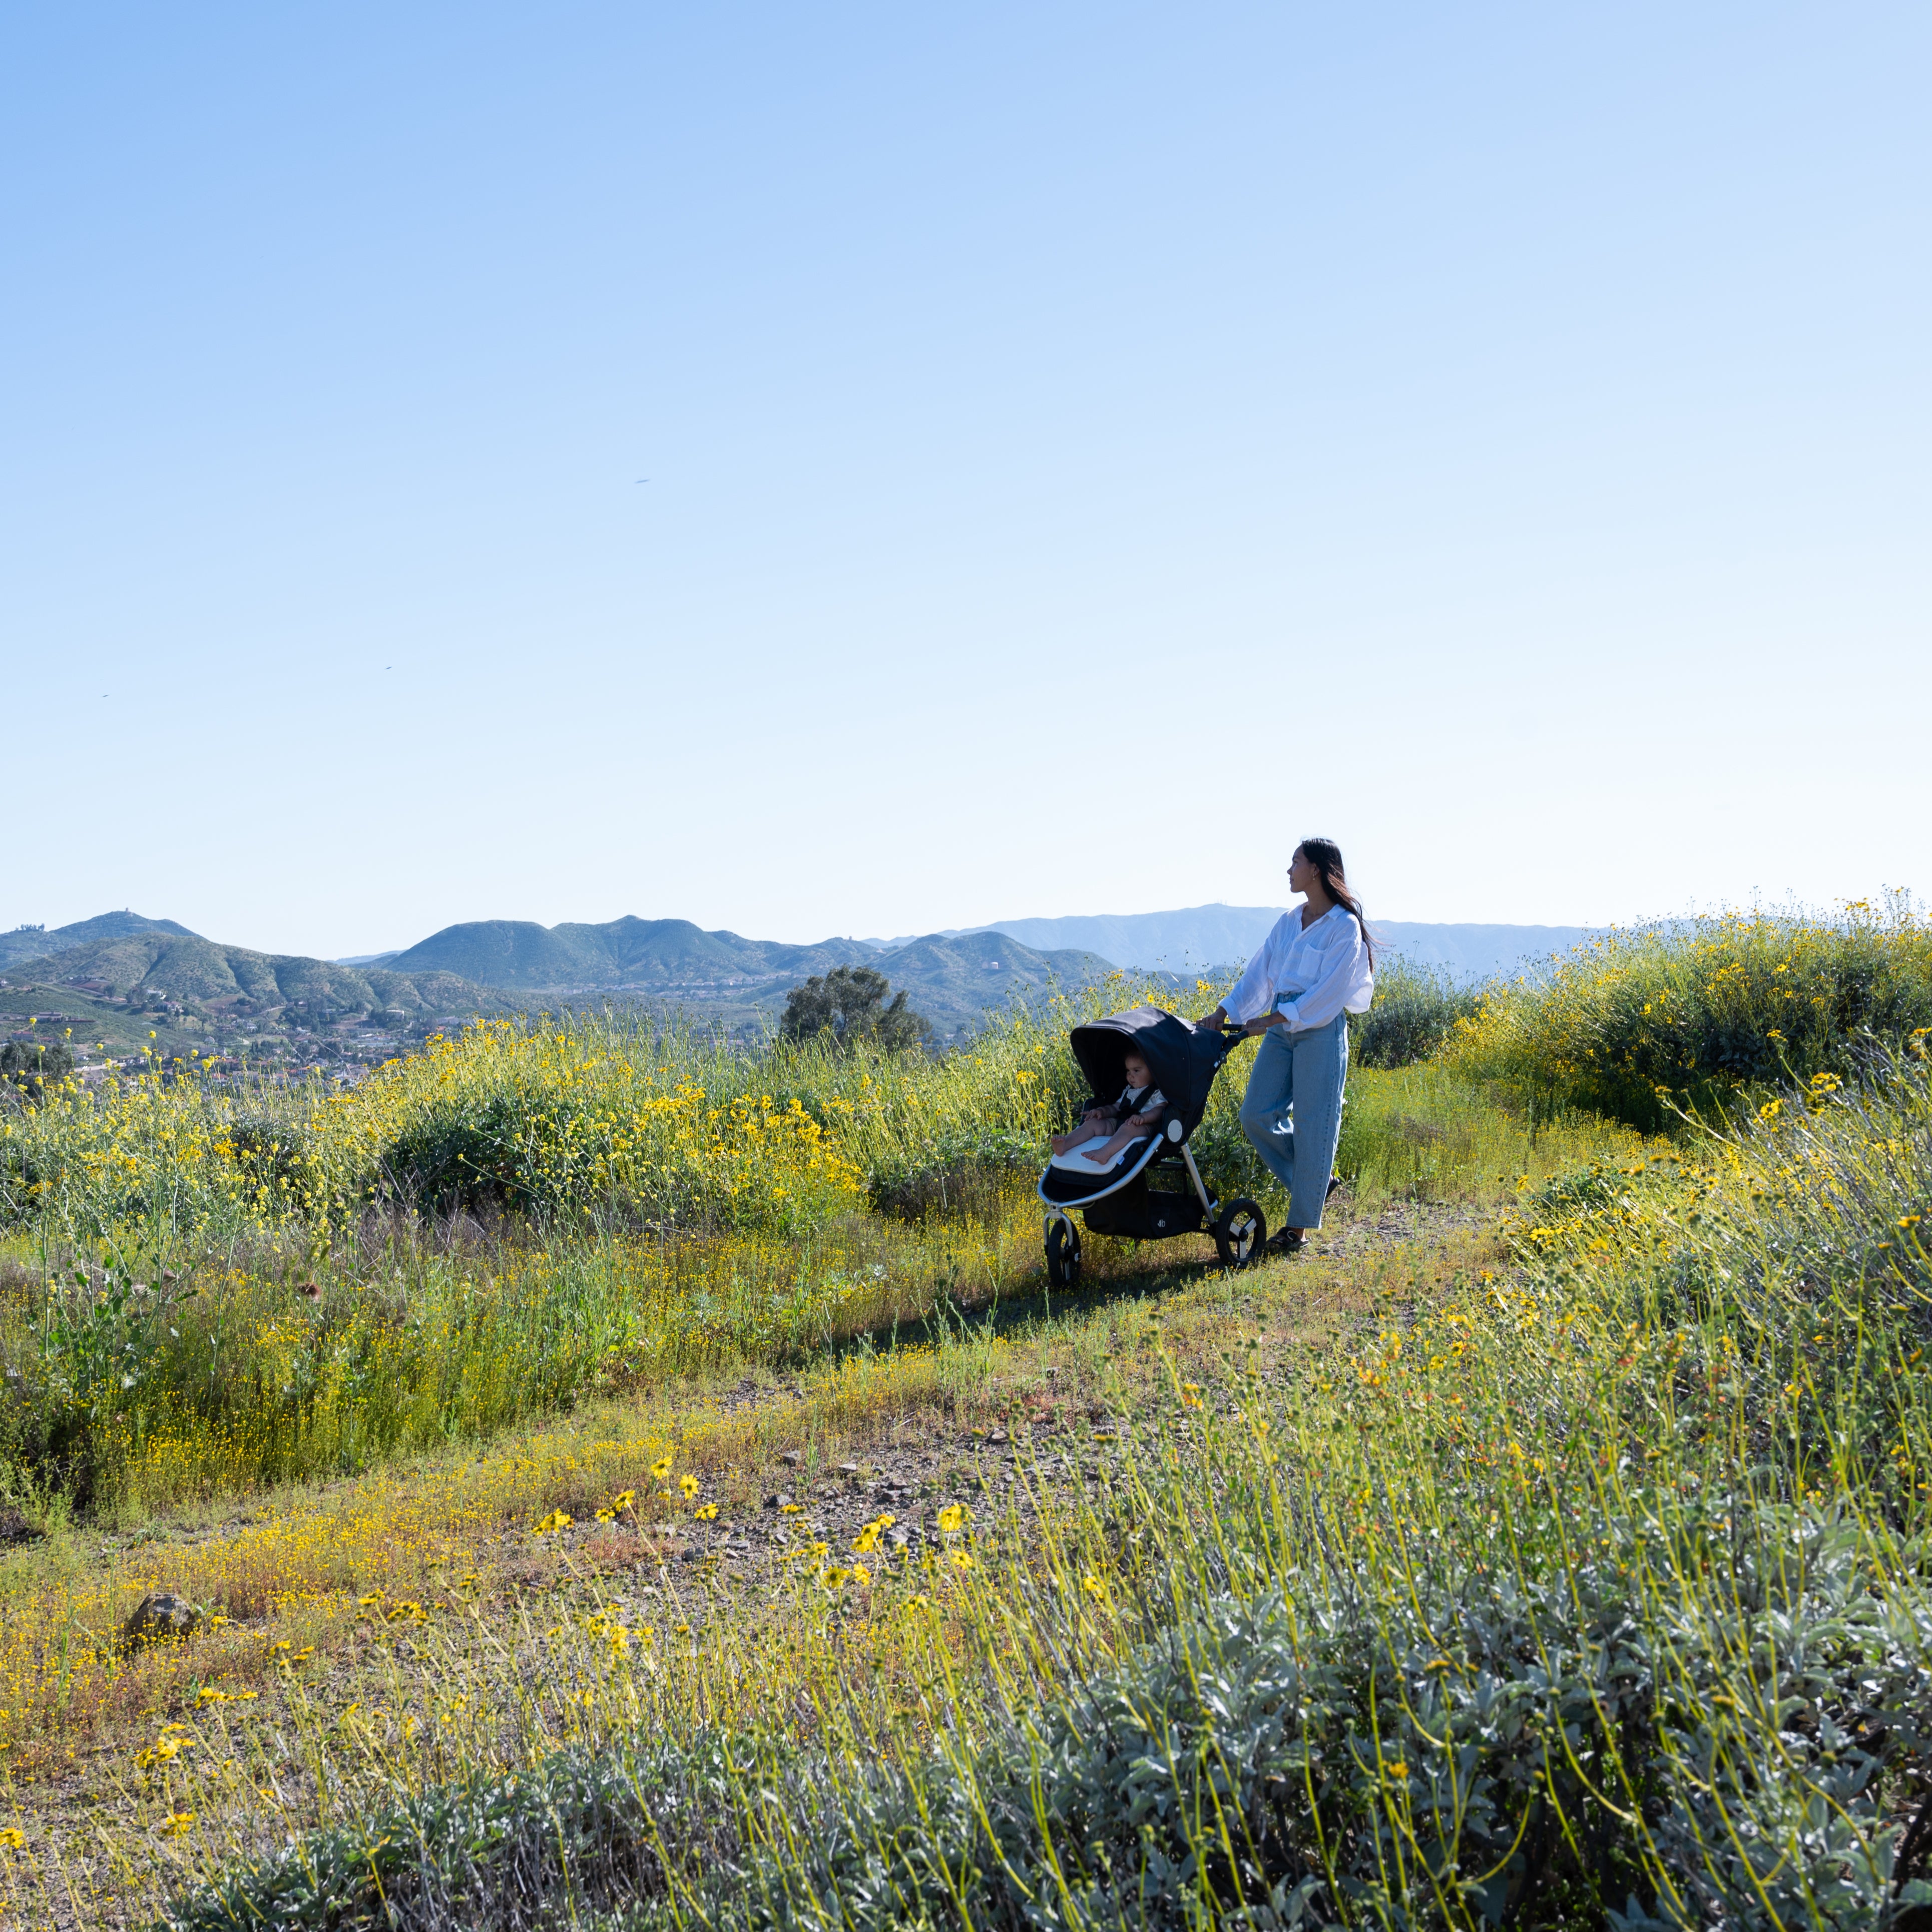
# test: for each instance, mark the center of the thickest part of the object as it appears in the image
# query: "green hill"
(136, 983)
(196, 970)
(35, 942)
(174, 993)
(643, 955)
(954, 980)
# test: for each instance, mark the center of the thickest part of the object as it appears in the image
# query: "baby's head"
(1138, 1073)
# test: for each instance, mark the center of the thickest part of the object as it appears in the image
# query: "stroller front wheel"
(1240, 1234)
(1063, 1252)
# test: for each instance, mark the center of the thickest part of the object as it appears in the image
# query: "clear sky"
(1088, 447)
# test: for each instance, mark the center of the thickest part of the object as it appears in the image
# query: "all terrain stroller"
(1125, 1201)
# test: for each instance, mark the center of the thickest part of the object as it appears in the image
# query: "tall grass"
(600, 1114)
(128, 1397)
(1592, 1595)
(1696, 1015)
(209, 1290)
(164, 1352)
(137, 1387)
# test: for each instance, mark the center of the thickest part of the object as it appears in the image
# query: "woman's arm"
(1253, 992)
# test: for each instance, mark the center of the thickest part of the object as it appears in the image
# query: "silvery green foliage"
(578, 1836)
(1256, 1768)
(1487, 1756)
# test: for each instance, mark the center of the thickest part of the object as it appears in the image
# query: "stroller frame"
(1183, 1062)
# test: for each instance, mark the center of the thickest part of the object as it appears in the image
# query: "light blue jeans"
(1305, 1071)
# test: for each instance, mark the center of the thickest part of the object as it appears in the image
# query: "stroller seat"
(1075, 1159)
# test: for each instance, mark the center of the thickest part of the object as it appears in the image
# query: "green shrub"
(1414, 1011)
(570, 1838)
(1699, 1014)
(849, 1004)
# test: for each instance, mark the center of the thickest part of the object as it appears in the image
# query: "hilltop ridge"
(954, 979)
(35, 942)
(644, 952)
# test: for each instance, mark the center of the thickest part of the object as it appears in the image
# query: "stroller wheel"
(1063, 1252)
(1240, 1234)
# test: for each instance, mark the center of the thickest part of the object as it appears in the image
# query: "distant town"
(221, 1037)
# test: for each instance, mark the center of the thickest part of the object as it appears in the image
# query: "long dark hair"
(1325, 856)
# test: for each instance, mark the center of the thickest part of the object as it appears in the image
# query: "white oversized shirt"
(1311, 974)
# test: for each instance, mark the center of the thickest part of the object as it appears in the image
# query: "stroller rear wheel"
(1240, 1233)
(1063, 1252)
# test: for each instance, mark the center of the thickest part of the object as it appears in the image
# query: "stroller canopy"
(1183, 1062)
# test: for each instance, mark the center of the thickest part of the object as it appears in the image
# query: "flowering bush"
(1699, 1013)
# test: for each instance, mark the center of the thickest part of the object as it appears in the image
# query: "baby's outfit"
(1132, 1100)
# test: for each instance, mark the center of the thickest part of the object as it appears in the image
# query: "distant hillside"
(35, 942)
(643, 955)
(191, 968)
(954, 980)
(1470, 952)
(1192, 937)
(1224, 935)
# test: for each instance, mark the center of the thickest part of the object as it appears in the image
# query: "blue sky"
(1088, 448)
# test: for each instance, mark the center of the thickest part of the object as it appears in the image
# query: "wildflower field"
(622, 1483)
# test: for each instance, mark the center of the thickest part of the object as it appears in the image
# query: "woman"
(1315, 968)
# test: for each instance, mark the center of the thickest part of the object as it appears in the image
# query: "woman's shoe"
(1286, 1241)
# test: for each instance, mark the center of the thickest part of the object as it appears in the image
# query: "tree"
(849, 1003)
(30, 1065)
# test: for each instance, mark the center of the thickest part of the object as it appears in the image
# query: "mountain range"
(1194, 937)
(140, 986)
(188, 967)
(121, 973)
(953, 978)
(124, 980)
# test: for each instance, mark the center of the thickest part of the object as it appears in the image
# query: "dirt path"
(1044, 1419)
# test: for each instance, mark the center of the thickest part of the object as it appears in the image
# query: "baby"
(1142, 1105)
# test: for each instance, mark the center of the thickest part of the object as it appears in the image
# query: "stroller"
(1125, 1201)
